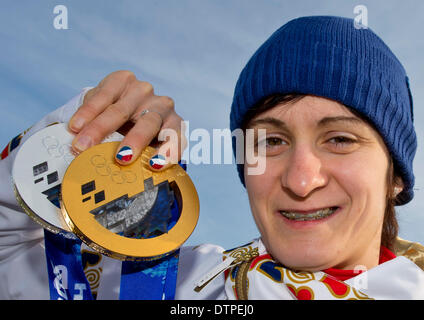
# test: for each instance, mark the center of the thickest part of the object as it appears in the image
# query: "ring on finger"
(147, 111)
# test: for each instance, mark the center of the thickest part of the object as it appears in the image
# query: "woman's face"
(320, 202)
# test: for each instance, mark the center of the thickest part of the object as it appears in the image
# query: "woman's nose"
(304, 172)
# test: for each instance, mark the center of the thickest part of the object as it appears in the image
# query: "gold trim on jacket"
(411, 250)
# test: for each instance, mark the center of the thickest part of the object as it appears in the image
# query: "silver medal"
(37, 174)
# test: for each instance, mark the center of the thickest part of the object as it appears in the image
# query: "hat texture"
(327, 56)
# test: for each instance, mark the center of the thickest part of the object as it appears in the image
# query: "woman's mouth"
(310, 216)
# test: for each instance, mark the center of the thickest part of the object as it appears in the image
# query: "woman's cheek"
(359, 174)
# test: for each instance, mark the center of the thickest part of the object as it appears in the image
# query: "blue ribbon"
(152, 280)
(149, 280)
(67, 280)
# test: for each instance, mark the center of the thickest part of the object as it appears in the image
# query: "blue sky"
(192, 51)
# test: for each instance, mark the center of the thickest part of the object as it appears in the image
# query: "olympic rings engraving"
(57, 150)
(117, 175)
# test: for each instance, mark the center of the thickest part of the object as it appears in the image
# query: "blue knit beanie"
(328, 57)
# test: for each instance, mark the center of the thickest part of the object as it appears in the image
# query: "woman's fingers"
(112, 117)
(122, 103)
(173, 145)
(142, 133)
(157, 120)
(96, 100)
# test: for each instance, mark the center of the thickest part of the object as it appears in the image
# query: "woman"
(339, 146)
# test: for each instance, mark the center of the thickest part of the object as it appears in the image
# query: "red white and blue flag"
(125, 154)
(11, 145)
(157, 162)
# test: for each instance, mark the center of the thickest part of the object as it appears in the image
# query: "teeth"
(309, 216)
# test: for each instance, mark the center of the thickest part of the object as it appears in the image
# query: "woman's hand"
(122, 103)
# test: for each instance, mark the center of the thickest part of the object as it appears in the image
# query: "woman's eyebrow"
(348, 120)
(268, 121)
(321, 123)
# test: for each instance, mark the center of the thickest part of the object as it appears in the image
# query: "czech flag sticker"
(157, 161)
(125, 154)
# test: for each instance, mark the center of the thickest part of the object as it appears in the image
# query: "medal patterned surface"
(125, 211)
(37, 174)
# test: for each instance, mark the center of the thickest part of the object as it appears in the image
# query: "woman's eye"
(272, 145)
(342, 141)
(273, 141)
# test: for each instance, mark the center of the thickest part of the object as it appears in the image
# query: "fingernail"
(157, 162)
(77, 124)
(125, 154)
(83, 143)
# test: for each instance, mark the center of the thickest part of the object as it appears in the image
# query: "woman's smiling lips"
(303, 218)
(307, 211)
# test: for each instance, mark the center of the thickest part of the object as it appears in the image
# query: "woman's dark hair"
(390, 225)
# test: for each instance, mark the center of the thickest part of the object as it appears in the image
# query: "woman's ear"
(397, 186)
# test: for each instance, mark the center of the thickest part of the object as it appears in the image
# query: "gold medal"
(124, 211)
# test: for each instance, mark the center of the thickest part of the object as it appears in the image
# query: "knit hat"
(329, 57)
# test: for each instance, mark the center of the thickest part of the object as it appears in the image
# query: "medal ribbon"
(67, 280)
(152, 280)
(149, 280)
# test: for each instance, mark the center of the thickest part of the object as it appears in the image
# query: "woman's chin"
(311, 258)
